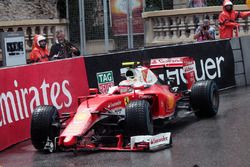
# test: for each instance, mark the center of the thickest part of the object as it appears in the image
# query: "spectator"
(227, 20)
(197, 3)
(205, 31)
(39, 51)
(62, 48)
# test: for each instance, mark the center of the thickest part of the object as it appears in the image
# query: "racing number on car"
(126, 100)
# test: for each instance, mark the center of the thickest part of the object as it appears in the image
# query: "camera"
(205, 28)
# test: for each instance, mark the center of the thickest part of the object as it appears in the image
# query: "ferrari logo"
(126, 100)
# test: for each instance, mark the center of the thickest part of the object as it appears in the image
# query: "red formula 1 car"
(124, 119)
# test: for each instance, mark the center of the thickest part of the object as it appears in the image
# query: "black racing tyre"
(205, 98)
(138, 119)
(45, 123)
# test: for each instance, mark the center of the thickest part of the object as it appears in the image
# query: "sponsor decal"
(167, 61)
(210, 69)
(105, 81)
(145, 75)
(115, 104)
(146, 96)
(189, 68)
(126, 100)
(159, 140)
(170, 102)
(80, 117)
(156, 141)
(12, 111)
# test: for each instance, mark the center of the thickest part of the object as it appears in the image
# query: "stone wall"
(178, 26)
(180, 4)
(28, 9)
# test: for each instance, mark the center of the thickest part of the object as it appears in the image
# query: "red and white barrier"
(58, 83)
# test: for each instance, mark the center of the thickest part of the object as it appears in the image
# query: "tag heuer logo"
(105, 81)
(105, 77)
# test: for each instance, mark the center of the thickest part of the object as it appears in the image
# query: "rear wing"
(187, 63)
(171, 62)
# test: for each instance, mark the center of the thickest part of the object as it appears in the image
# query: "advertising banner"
(13, 47)
(119, 16)
(22, 88)
(213, 60)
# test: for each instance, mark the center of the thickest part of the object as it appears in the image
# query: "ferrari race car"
(125, 118)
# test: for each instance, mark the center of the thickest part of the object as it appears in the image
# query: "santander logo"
(18, 103)
(158, 140)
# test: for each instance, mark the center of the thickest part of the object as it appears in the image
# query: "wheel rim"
(51, 147)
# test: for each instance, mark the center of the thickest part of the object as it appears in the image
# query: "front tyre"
(45, 126)
(205, 99)
(138, 119)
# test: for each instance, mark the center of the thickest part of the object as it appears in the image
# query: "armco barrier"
(22, 88)
(214, 60)
(241, 51)
(60, 82)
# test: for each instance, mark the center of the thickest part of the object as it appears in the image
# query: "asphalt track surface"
(223, 141)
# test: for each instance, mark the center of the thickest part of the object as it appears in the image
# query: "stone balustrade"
(178, 26)
(47, 27)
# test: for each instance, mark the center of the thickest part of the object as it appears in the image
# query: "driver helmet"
(130, 74)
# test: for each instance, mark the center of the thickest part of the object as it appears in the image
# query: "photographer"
(205, 32)
(62, 48)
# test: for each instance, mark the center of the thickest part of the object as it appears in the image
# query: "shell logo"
(80, 117)
(145, 75)
(170, 102)
(126, 100)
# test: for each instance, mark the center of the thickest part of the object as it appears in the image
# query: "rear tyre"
(205, 99)
(45, 124)
(138, 119)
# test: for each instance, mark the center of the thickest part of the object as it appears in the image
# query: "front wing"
(137, 143)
